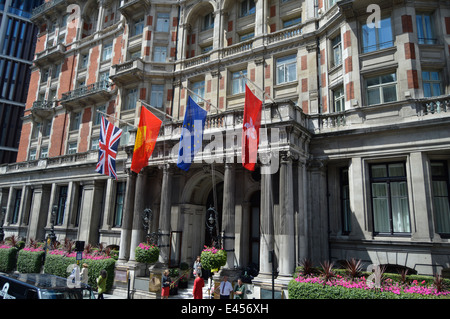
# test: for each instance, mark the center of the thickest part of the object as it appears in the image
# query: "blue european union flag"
(191, 134)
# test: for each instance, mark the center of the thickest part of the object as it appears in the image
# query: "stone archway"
(196, 197)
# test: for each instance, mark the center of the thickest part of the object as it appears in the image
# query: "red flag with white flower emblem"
(250, 129)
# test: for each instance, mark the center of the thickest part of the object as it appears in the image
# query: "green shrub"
(58, 264)
(30, 261)
(302, 290)
(8, 259)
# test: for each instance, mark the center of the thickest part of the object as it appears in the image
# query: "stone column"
(302, 220)
(38, 212)
(317, 211)
(127, 219)
(228, 214)
(285, 232)
(137, 232)
(165, 214)
(266, 243)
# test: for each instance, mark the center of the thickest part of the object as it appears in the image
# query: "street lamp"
(2, 220)
(147, 218)
(52, 235)
(211, 224)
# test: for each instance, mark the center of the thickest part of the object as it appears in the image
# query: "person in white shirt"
(225, 288)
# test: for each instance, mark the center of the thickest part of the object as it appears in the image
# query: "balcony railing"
(44, 7)
(92, 92)
(435, 105)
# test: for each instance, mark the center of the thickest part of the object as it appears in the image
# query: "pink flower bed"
(74, 254)
(388, 285)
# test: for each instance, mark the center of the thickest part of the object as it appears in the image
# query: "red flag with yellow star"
(146, 136)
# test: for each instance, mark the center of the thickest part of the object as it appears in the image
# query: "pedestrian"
(84, 274)
(225, 288)
(239, 290)
(101, 283)
(165, 285)
(199, 283)
(198, 266)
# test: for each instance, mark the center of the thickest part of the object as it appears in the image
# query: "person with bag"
(165, 291)
(198, 266)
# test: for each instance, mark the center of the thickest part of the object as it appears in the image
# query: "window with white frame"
(107, 52)
(98, 115)
(44, 152)
(76, 121)
(238, 82)
(72, 148)
(377, 37)
(46, 128)
(36, 130)
(208, 21)
(84, 61)
(425, 29)
(162, 22)
(337, 51)
(32, 154)
(247, 7)
(131, 99)
(138, 27)
(381, 89)
(159, 54)
(95, 143)
(432, 83)
(157, 95)
(286, 69)
(199, 89)
(339, 99)
(125, 137)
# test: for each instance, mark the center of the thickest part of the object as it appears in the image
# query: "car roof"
(46, 281)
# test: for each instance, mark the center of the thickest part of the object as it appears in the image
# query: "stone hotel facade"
(357, 117)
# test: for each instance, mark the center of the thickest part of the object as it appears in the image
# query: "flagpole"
(116, 118)
(155, 109)
(202, 99)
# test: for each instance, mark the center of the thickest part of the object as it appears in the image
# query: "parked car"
(41, 286)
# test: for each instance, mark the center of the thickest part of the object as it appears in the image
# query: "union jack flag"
(108, 144)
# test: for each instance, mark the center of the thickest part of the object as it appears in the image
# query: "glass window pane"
(427, 90)
(436, 89)
(389, 94)
(385, 34)
(369, 39)
(399, 203)
(374, 96)
(437, 169)
(373, 81)
(379, 171)
(396, 170)
(388, 78)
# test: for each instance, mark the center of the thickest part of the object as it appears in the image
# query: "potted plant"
(213, 258)
(147, 253)
(173, 274)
